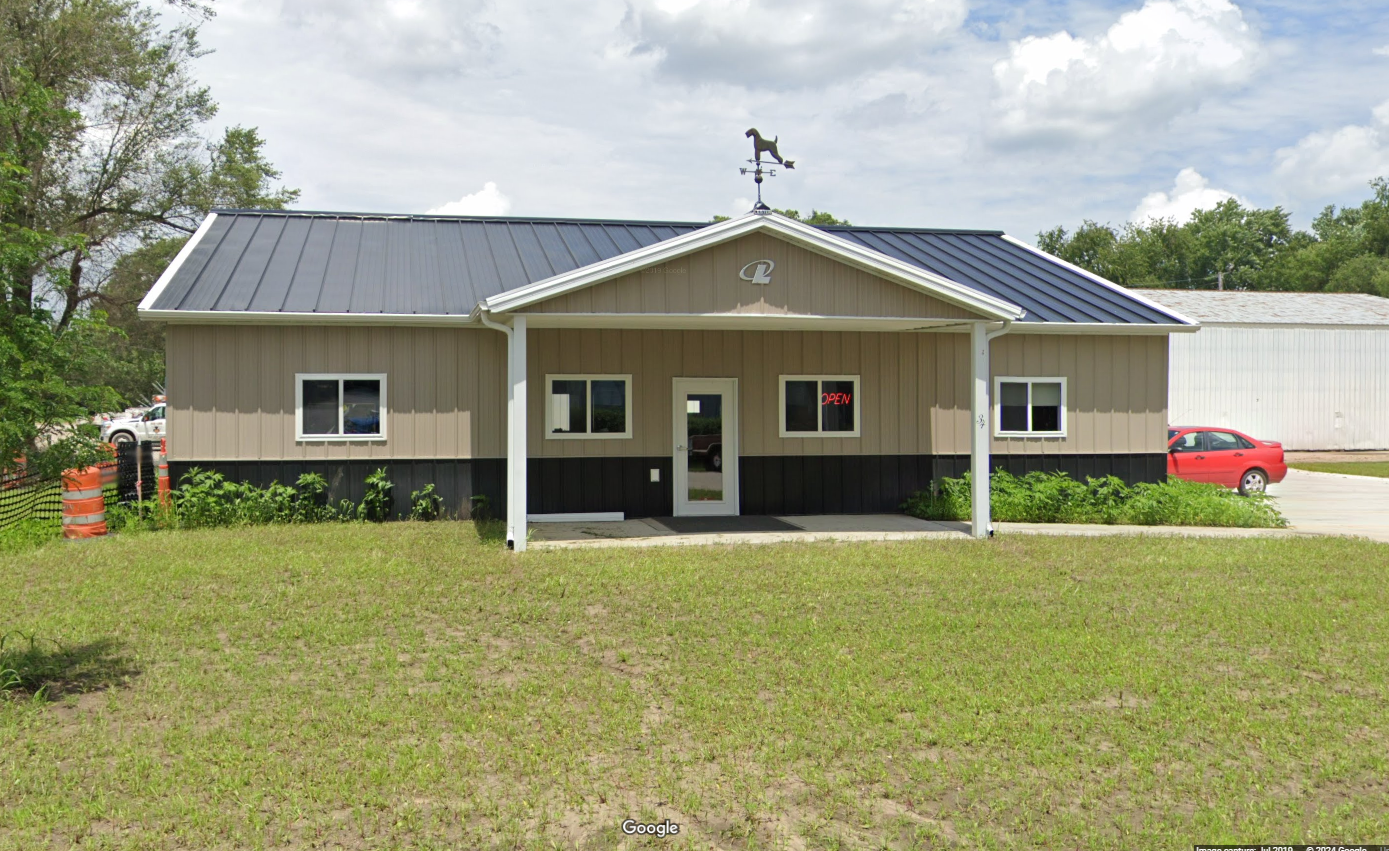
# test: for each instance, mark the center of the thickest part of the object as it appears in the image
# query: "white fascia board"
(272, 317)
(1102, 281)
(1127, 329)
(793, 231)
(163, 281)
(743, 322)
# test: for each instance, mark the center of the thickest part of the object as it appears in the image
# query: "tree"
(1245, 248)
(103, 174)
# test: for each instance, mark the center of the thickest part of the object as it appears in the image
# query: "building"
(757, 365)
(1310, 370)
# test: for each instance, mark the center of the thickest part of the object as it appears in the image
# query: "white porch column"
(980, 525)
(516, 436)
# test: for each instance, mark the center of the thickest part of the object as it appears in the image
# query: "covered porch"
(736, 370)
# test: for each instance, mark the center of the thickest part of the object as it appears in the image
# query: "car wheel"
(716, 459)
(1253, 481)
(122, 437)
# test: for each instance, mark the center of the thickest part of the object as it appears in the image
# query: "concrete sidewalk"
(843, 527)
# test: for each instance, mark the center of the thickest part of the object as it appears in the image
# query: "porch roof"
(261, 265)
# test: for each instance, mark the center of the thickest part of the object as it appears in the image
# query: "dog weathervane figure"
(759, 147)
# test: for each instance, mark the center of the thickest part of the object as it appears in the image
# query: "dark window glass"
(1046, 406)
(1171, 433)
(1221, 441)
(837, 405)
(1012, 405)
(361, 406)
(1243, 444)
(569, 406)
(1189, 442)
(609, 407)
(802, 405)
(320, 397)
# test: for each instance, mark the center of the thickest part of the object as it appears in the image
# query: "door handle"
(1239, 454)
(1200, 457)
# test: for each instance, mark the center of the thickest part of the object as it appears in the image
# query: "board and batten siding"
(708, 282)
(231, 390)
(914, 387)
(1309, 388)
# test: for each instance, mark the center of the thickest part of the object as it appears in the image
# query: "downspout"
(981, 524)
(510, 436)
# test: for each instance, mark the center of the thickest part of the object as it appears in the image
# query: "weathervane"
(760, 146)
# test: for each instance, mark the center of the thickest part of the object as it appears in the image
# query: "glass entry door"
(706, 446)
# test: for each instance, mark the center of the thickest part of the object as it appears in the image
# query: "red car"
(1225, 457)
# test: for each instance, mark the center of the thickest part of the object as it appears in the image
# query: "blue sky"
(946, 113)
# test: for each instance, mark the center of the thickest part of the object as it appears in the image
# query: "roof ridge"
(337, 214)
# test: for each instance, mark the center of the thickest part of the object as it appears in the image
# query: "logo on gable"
(758, 272)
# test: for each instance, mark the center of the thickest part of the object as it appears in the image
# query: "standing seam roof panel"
(194, 265)
(245, 279)
(312, 272)
(338, 278)
(223, 264)
(506, 255)
(533, 259)
(279, 272)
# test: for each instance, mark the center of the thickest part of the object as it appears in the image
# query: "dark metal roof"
(296, 262)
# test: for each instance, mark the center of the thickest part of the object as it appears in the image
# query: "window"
(1189, 442)
(340, 407)
(1029, 407)
(819, 406)
(588, 406)
(1221, 441)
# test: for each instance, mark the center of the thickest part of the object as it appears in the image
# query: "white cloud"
(1382, 51)
(406, 38)
(1190, 193)
(1150, 65)
(1329, 162)
(785, 44)
(487, 201)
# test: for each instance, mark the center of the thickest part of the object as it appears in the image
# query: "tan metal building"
(755, 366)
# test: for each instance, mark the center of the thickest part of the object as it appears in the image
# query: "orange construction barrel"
(84, 506)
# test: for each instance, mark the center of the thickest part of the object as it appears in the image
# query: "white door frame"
(683, 506)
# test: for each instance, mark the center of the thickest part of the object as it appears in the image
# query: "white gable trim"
(157, 290)
(792, 231)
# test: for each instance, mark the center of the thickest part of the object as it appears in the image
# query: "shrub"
(1057, 498)
(377, 502)
(29, 534)
(205, 498)
(425, 504)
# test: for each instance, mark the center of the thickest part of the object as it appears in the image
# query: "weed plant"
(1057, 498)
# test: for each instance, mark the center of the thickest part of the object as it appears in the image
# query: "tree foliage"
(103, 174)
(816, 217)
(1346, 250)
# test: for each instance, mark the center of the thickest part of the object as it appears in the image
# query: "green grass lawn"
(410, 686)
(1379, 469)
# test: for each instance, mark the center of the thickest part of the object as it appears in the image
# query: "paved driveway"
(1332, 504)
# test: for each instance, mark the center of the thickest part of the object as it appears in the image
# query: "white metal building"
(1308, 369)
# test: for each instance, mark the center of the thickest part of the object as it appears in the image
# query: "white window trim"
(1029, 380)
(301, 377)
(551, 434)
(819, 421)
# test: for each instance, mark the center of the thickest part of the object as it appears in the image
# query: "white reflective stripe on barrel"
(84, 519)
(89, 493)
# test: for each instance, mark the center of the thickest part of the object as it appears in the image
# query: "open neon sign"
(828, 399)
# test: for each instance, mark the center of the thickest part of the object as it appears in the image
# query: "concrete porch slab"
(847, 527)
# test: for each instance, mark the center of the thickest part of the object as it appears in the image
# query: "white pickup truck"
(147, 426)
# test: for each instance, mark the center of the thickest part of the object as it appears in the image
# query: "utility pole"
(1220, 280)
